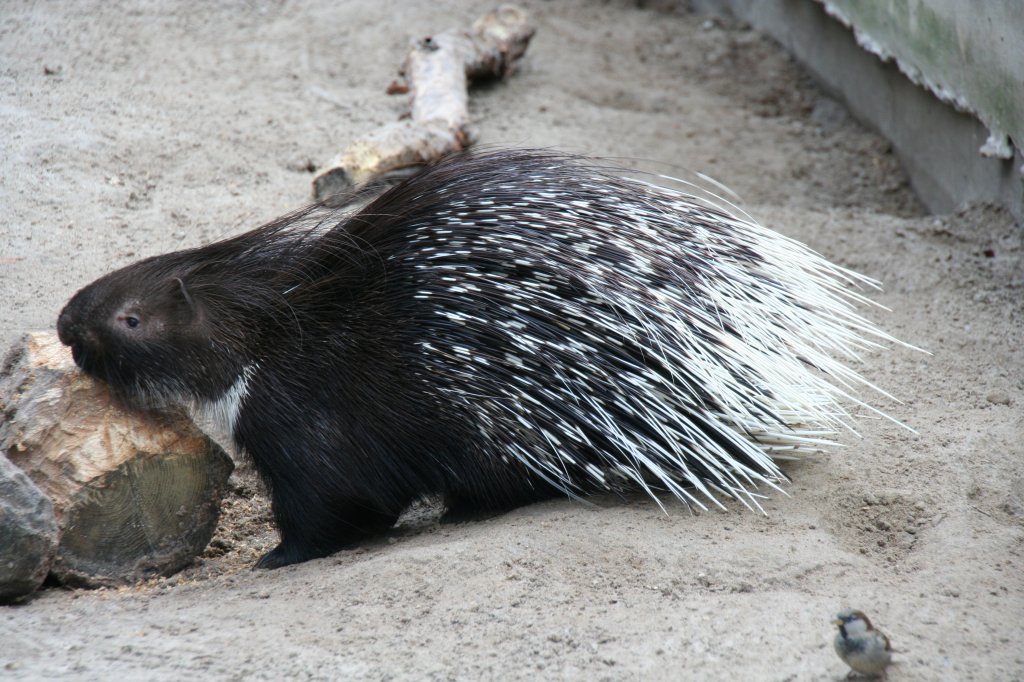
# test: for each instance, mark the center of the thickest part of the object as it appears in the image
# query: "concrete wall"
(942, 79)
(970, 54)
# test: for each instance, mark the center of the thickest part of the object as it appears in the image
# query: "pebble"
(998, 398)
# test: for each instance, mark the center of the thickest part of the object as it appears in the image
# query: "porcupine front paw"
(284, 555)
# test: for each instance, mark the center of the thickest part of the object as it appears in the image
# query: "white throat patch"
(217, 418)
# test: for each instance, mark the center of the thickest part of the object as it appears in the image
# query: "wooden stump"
(136, 494)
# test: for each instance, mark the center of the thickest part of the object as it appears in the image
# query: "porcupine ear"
(181, 295)
(183, 291)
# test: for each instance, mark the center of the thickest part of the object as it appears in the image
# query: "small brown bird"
(860, 645)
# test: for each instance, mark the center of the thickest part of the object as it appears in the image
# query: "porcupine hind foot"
(464, 506)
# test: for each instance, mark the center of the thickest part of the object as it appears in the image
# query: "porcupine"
(501, 328)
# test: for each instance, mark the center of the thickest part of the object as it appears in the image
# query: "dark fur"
(342, 420)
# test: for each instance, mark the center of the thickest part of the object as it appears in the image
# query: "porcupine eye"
(129, 320)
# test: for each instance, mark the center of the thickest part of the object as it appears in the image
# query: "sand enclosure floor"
(136, 128)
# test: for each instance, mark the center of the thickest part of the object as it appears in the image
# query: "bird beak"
(837, 622)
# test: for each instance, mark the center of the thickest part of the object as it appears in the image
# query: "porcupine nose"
(67, 330)
(63, 328)
(71, 334)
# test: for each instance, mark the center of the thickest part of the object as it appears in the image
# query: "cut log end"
(148, 517)
(335, 182)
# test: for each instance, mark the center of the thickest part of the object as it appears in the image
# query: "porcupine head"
(150, 332)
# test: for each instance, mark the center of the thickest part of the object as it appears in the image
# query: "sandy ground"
(135, 128)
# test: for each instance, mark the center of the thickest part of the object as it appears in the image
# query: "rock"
(998, 398)
(28, 533)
